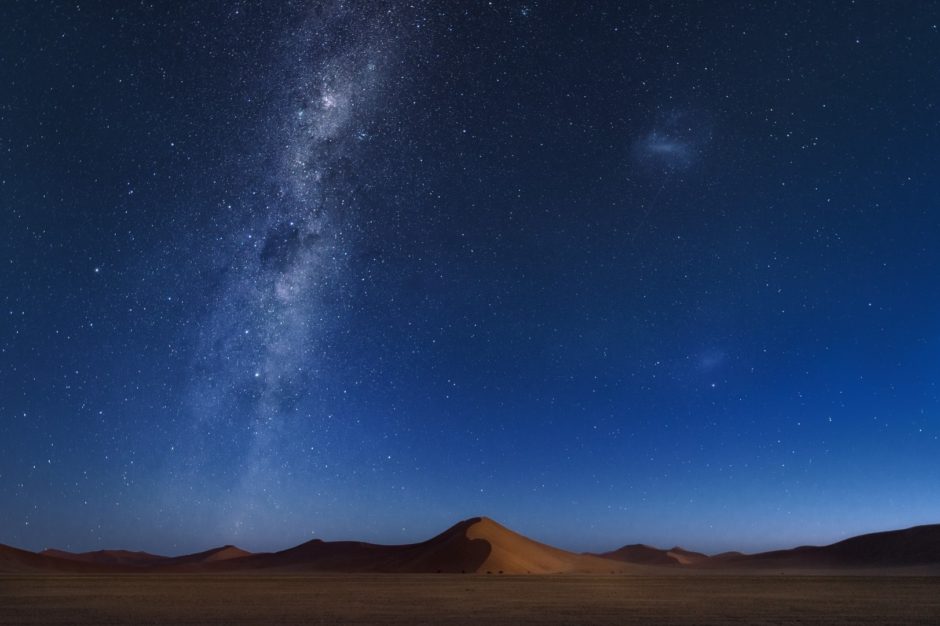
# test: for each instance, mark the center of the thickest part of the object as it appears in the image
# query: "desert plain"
(467, 599)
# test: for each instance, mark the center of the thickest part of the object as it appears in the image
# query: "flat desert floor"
(467, 599)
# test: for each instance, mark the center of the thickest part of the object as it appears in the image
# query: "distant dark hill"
(16, 560)
(474, 545)
(911, 547)
(126, 561)
(107, 557)
(647, 555)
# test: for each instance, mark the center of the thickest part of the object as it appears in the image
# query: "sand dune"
(686, 557)
(477, 545)
(913, 547)
(917, 546)
(16, 560)
(512, 553)
(214, 555)
(480, 545)
(647, 555)
(107, 557)
(123, 560)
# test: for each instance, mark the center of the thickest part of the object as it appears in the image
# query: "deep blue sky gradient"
(606, 273)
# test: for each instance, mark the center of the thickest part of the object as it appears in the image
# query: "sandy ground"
(467, 599)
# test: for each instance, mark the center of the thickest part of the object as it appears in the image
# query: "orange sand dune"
(513, 553)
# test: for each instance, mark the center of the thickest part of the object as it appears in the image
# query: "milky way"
(262, 349)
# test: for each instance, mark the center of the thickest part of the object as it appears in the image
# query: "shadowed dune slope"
(915, 546)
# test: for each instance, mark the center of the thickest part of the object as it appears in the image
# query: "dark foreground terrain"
(467, 599)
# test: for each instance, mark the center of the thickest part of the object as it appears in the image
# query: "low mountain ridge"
(910, 547)
(107, 557)
(14, 560)
(481, 545)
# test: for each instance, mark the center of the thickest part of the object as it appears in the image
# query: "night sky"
(607, 273)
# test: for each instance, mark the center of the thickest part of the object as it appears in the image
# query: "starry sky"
(606, 272)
